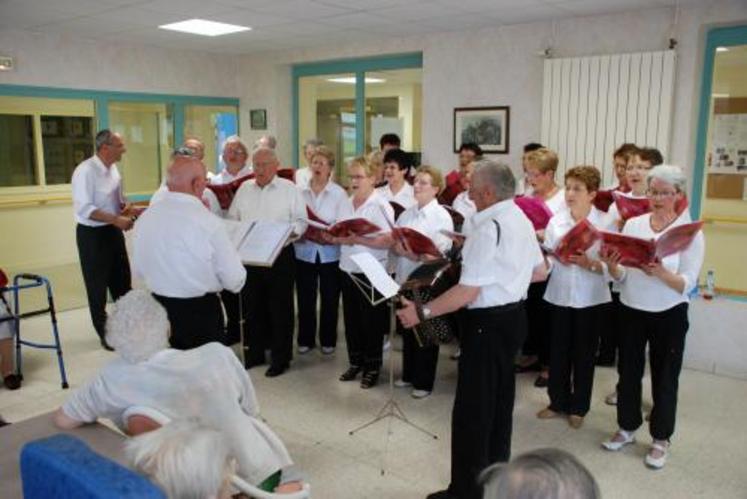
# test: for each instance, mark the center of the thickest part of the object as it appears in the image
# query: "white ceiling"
(285, 24)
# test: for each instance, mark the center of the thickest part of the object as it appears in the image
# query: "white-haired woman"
(207, 383)
(654, 302)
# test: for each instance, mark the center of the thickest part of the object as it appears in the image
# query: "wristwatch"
(426, 313)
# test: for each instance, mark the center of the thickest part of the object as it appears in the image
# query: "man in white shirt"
(268, 293)
(235, 154)
(101, 216)
(186, 258)
(500, 258)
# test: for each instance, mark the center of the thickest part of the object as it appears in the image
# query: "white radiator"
(591, 105)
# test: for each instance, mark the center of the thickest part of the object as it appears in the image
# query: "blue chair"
(64, 467)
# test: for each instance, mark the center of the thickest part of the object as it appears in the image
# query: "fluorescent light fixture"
(720, 96)
(722, 49)
(204, 27)
(351, 79)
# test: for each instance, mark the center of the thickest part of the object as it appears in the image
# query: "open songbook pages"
(344, 228)
(415, 241)
(535, 209)
(259, 242)
(637, 252)
(580, 238)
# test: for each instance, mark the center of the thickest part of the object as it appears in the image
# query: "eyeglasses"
(185, 152)
(660, 194)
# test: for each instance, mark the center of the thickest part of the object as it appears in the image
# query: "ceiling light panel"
(204, 27)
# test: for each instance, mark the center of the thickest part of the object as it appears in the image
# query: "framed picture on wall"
(258, 119)
(485, 126)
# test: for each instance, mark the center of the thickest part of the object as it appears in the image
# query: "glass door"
(724, 176)
(148, 133)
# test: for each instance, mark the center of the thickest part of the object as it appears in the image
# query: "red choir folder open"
(637, 252)
(603, 200)
(535, 209)
(344, 228)
(226, 192)
(419, 243)
(314, 233)
(630, 207)
(577, 240)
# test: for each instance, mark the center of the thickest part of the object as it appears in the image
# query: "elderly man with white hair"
(206, 383)
(269, 292)
(186, 258)
(235, 155)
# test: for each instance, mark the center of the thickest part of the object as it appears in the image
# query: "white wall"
(500, 66)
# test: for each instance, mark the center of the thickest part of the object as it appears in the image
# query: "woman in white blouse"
(396, 169)
(462, 203)
(540, 166)
(316, 263)
(364, 322)
(654, 309)
(576, 294)
(429, 218)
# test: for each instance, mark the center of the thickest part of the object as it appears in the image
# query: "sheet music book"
(629, 207)
(580, 238)
(349, 227)
(535, 209)
(259, 242)
(637, 252)
(417, 242)
(376, 274)
(603, 200)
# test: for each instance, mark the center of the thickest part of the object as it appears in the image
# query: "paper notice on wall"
(728, 144)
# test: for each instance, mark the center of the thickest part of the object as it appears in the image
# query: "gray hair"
(497, 176)
(313, 142)
(264, 150)
(104, 138)
(138, 327)
(669, 174)
(235, 139)
(183, 458)
(271, 142)
(540, 474)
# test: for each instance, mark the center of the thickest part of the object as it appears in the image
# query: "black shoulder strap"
(497, 232)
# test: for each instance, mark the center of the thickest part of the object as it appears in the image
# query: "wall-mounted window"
(42, 140)
(212, 125)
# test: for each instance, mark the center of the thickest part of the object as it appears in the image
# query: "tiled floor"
(313, 413)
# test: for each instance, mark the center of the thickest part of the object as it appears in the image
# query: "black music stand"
(391, 408)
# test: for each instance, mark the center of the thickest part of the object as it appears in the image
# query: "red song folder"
(603, 200)
(417, 242)
(577, 240)
(535, 209)
(344, 228)
(637, 252)
(630, 207)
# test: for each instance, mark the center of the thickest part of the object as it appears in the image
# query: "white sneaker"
(328, 350)
(304, 349)
(611, 399)
(620, 439)
(657, 463)
(400, 383)
(420, 394)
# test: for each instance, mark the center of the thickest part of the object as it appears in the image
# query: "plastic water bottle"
(710, 286)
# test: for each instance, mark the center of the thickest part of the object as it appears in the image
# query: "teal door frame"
(716, 37)
(358, 67)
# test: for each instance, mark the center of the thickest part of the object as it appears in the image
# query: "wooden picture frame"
(488, 127)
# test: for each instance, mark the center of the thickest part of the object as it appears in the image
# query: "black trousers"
(364, 333)
(418, 362)
(482, 419)
(573, 347)
(609, 331)
(269, 298)
(233, 318)
(322, 280)
(538, 323)
(194, 321)
(104, 264)
(665, 334)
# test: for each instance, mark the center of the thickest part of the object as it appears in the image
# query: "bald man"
(184, 255)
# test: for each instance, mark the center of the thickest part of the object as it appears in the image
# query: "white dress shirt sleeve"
(477, 256)
(227, 263)
(298, 213)
(83, 192)
(88, 403)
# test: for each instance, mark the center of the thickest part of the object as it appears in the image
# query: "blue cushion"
(62, 466)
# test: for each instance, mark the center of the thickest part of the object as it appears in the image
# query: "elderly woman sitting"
(206, 383)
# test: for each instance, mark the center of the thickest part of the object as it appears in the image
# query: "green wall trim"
(358, 66)
(69, 93)
(717, 37)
